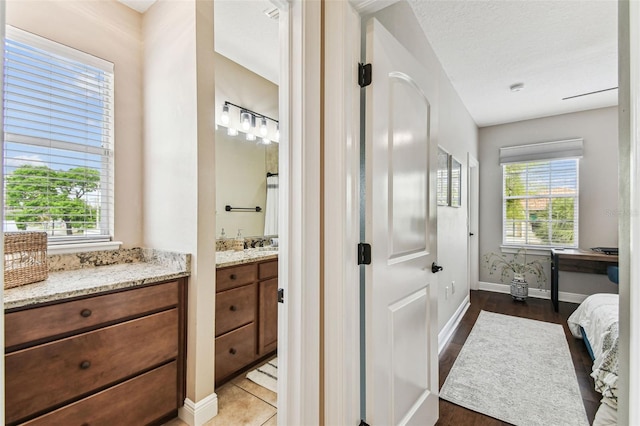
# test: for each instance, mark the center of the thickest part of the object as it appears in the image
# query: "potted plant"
(517, 268)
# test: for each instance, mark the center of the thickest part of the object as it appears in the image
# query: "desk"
(577, 260)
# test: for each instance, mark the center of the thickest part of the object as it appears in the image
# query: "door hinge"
(281, 295)
(363, 423)
(364, 254)
(364, 75)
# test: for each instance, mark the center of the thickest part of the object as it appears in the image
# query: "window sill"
(82, 247)
(534, 251)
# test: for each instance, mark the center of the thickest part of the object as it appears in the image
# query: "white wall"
(111, 31)
(454, 130)
(179, 159)
(240, 182)
(598, 199)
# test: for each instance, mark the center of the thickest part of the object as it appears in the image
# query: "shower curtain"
(271, 211)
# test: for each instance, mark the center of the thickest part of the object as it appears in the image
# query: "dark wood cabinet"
(79, 357)
(268, 322)
(246, 316)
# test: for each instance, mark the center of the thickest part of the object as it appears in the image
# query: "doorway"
(473, 208)
(248, 181)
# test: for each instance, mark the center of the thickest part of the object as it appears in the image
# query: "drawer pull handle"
(86, 313)
(85, 364)
(233, 276)
(232, 351)
(233, 308)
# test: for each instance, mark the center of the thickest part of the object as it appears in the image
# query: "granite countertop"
(94, 272)
(230, 257)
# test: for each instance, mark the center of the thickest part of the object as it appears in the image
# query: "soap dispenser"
(238, 243)
(223, 236)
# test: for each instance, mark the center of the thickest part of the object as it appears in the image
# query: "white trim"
(629, 203)
(299, 221)
(452, 325)
(2, 36)
(341, 215)
(197, 414)
(82, 247)
(368, 7)
(534, 292)
(532, 250)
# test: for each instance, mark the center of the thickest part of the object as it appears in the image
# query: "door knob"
(435, 268)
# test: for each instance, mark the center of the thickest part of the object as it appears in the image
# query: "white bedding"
(598, 316)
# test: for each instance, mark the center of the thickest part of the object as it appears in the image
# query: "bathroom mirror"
(241, 175)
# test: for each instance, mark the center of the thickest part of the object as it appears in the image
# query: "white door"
(473, 194)
(401, 329)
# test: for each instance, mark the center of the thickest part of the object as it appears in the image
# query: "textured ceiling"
(556, 48)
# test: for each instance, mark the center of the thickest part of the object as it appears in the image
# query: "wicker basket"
(519, 289)
(25, 258)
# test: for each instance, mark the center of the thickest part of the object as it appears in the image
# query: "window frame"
(104, 153)
(506, 245)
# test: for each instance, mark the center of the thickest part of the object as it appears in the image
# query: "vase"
(519, 287)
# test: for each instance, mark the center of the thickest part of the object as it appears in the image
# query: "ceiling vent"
(589, 93)
(273, 13)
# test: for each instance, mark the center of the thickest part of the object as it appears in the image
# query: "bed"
(596, 321)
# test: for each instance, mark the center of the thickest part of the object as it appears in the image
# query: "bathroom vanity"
(246, 328)
(102, 345)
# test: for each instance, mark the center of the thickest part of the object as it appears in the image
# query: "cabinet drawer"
(138, 401)
(53, 373)
(268, 324)
(235, 276)
(235, 307)
(268, 270)
(235, 350)
(48, 321)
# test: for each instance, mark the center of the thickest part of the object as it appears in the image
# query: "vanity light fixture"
(245, 120)
(246, 124)
(224, 117)
(263, 127)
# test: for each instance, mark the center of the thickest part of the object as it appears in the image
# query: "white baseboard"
(450, 327)
(197, 414)
(534, 292)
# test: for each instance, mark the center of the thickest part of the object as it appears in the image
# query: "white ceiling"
(247, 36)
(557, 48)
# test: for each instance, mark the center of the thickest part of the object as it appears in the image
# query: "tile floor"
(242, 403)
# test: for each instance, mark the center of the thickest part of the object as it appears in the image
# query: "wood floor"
(537, 309)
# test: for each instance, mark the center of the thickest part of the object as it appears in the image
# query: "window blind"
(540, 203)
(58, 148)
(571, 148)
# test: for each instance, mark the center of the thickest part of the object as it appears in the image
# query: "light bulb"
(245, 120)
(232, 131)
(266, 141)
(263, 127)
(251, 136)
(224, 117)
(277, 135)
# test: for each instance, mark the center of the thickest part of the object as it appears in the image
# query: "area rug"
(266, 375)
(516, 370)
